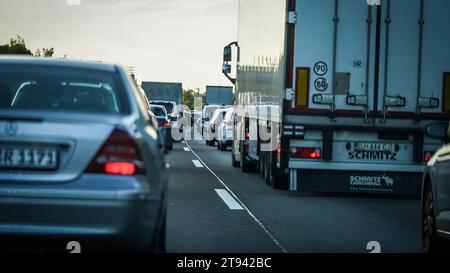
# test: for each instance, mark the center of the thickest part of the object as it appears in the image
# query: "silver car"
(436, 191)
(79, 156)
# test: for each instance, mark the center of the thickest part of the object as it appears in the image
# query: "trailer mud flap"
(358, 182)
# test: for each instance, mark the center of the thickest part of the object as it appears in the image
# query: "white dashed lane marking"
(198, 164)
(229, 200)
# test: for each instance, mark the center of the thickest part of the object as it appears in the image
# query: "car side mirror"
(438, 131)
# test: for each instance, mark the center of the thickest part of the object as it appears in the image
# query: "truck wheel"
(234, 163)
(262, 164)
(276, 182)
(266, 175)
(222, 146)
(245, 167)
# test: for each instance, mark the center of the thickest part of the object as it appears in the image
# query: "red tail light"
(306, 152)
(247, 135)
(164, 124)
(118, 156)
(120, 168)
(427, 156)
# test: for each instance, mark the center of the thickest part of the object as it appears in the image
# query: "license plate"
(28, 158)
(372, 147)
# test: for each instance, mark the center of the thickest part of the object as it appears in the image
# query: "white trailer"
(351, 87)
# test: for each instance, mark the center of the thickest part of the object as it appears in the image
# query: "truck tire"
(266, 174)
(262, 164)
(234, 163)
(245, 167)
(222, 146)
(274, 181)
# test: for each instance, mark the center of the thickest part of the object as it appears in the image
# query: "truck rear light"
(306, 152)
(427, 156)
(119, 155)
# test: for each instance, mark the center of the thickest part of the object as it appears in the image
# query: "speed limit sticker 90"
(320, 69)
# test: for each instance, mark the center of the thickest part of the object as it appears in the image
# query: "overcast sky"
(165, 40)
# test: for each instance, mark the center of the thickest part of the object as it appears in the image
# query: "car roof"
(25, 60)
(164, 101)
(157, 106)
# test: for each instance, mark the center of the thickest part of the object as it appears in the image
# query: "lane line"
(228, 199)
(186, 149)
(275, 240)
(197, 163)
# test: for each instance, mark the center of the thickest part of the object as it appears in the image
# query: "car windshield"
(59, 90)
(159, 111)
(168, 105)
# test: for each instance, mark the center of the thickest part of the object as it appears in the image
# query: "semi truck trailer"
(349, 86)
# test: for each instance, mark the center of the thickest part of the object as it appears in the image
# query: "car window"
(159, 111)
(60, 90)
(169, 106)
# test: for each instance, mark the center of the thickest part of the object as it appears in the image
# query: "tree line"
(18, 46)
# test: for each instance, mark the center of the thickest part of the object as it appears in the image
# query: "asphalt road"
(264, 220)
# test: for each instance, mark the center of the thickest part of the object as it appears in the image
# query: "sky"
(165, 40)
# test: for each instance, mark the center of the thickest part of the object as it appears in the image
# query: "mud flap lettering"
(359, 182)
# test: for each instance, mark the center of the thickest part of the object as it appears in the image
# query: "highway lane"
(199, 220)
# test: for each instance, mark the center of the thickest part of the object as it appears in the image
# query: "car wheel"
(162, 238)
(428, 220)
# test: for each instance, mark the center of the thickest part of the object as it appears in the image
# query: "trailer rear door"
(353, 59)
